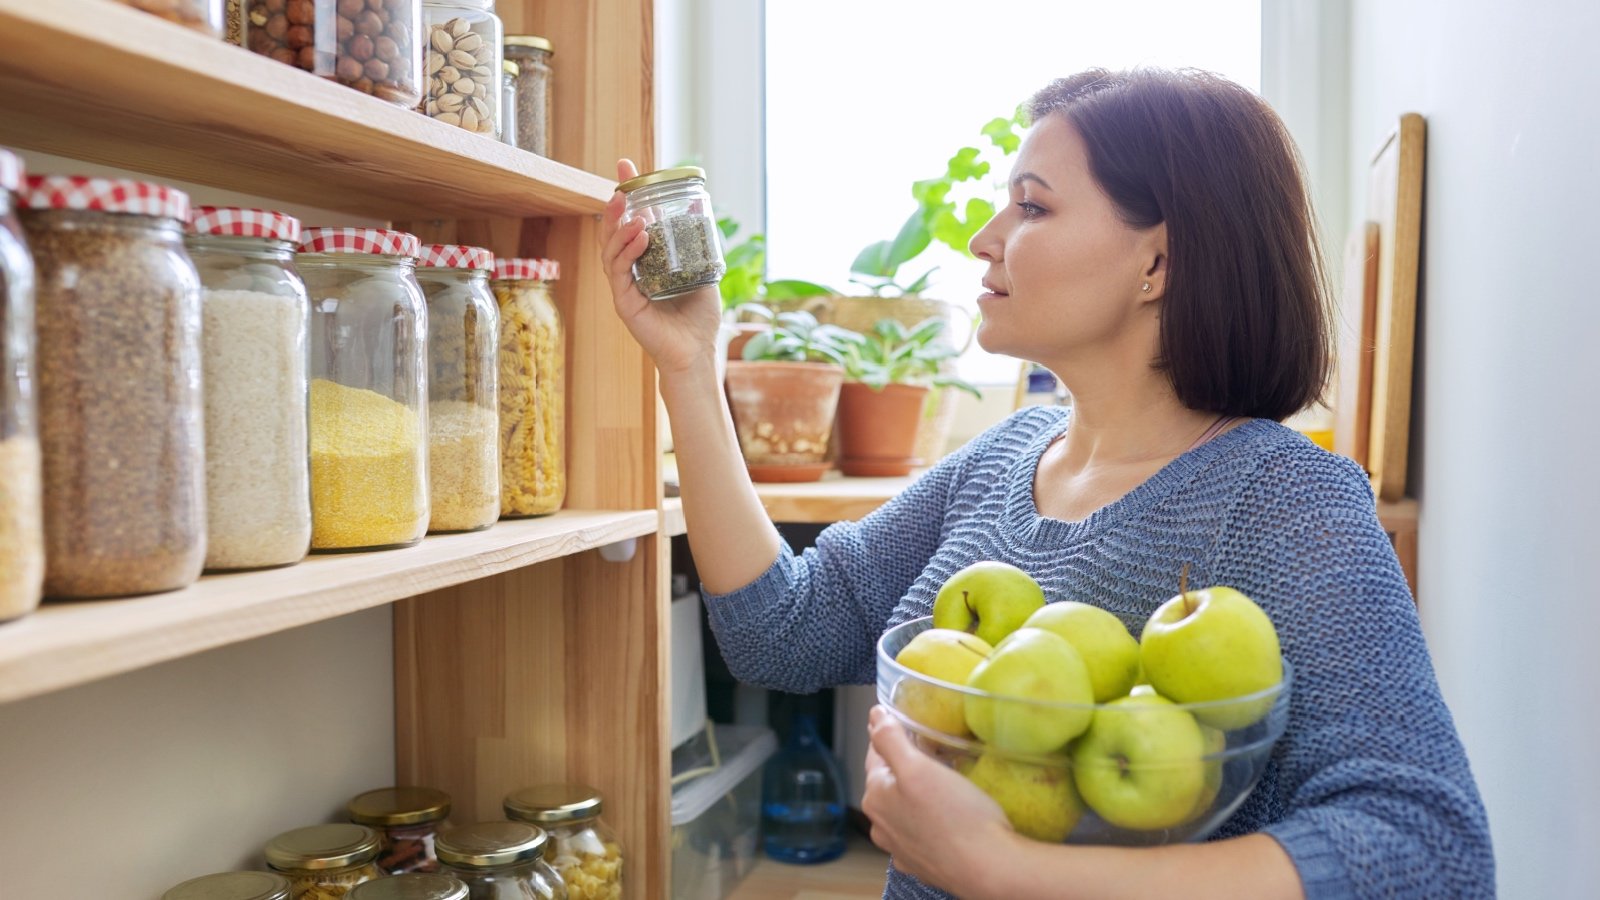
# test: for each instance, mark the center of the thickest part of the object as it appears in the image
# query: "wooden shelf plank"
(672, 523)
(100, 81)
(833, 499)
(65, 644)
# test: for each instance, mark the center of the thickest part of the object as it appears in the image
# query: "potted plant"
(783, 393)
(746, 292)
(889, 372)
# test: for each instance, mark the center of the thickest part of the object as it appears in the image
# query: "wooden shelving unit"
(520, 654)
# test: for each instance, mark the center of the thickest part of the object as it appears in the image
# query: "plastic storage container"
(369, 421)
(534, 90)
(582, 848)
(258, 492)
(463, 408)
(688, 664)
(324, 862)
(411, 887)
(21, 502)
(716, 809)
(533, 466)
(232, 886)
(118, 316)
(201, 15)
(501, 861)
(370, 45)
(462, 66)
(407, 820)
(685, 250)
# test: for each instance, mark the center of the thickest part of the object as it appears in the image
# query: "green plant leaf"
(874, 260)
(957, 233)
(911, 241)
(794, 289)
(926, 331)
(921, 284)
(966, 165)
(1002, 134)
(728, 227)
(932, 192)
(947, 381)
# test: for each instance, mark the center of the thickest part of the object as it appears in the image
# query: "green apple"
(1209, 645)
(1214, 743)
(1142, 690)
(945, 655)
(1139, 765)
(989, 599)
(1040, 801)
(1107, 648)
(1027, 674)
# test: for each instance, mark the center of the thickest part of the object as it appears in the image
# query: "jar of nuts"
(582, 848)
(325, 862)
(532, 55)
(370, 45)
(501, 860)
(202, 15)
(21, 526)
(407, 820)
(533, 470)
(462, 66)
(120, 407)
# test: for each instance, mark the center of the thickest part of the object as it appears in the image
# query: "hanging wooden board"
(1358, 313)
(1394, 201)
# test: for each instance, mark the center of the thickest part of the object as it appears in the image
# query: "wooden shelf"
(100, 81)
(835, 498)
(672, 523)
(65, 644)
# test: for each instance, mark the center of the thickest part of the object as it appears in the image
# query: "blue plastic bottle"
(803, 799)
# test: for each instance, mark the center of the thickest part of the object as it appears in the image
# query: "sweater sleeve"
(1375, 796)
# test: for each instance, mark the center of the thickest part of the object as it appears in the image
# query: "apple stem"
(966, 600)
(1183, 590)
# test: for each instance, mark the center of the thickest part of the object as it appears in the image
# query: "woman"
(1158, 255)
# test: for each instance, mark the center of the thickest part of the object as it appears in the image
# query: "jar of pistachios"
(582, 848)
(684, 250)
(324, 862)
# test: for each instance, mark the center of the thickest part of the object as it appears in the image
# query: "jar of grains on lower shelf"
(533, 475)
(369, 419)
(258, 493)
(21, 512)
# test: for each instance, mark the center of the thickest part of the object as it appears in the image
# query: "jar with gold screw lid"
(324, 862)
(582, 848)
(407, 820)
(532, 55)
(685, 250)
(232, 886)
(412, 887)
(501, 860)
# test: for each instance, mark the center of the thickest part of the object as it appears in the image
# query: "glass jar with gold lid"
(685, 250)
(232, 886)
(501, 861)
(407, 820)
(582, 848)
(324, 862)
(412, 887)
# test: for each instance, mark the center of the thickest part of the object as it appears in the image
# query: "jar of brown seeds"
(370, 45)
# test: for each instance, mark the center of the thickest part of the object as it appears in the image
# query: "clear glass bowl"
(1146, 797)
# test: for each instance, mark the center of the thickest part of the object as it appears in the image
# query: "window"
(865, 97)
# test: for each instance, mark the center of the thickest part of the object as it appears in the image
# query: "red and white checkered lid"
(527, 269)
(359, 240)
(113, 195)
(11, 172)
(234, 221)
(455, 256)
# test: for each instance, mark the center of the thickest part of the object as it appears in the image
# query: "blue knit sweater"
(1369, 790)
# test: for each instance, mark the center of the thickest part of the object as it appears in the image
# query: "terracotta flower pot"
(743, 332)
(878, 429)
(783, 413)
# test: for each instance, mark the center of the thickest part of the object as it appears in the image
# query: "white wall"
(1508, 371)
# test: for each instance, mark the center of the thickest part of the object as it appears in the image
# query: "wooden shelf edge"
(672, 523)
(67, 644)
(145, 94)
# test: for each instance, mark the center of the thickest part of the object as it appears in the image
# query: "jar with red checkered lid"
(533, 462)
(21, 526)
(369, 388)
(463, 418)
(120, 407)
(255, 340)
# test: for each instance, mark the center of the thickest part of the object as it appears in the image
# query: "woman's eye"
(1030, 210)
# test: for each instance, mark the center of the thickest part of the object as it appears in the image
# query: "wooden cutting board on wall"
(1358, 314)
(1394, 203)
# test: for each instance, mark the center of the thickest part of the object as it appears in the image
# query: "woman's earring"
(1146, 288)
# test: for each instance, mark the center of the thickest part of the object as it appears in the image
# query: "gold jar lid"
(553, 804)
(510, 68)
(323, 847)
(399, 806)
(490, 845)
(232, 886)
(661, 176)
(529, 40)
(415, 886)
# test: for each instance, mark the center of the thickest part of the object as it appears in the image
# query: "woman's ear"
(1153, 256)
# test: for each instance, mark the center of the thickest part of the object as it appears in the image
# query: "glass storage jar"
(120, 408)
(581, 848)
(370, 45)
(407, 820)
(535, 93)
(369, 421)
(501, 861)
(463, 416)
(254, 340)
(21, 501)
(232, 886)
(201, 15)
(508, 102)
(462, 67)
(533, 468)
(684, 252)
(324, 862)
(411, 887)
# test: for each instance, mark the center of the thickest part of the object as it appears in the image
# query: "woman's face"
(1065, 272)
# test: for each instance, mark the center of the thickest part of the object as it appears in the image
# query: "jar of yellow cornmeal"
(369, 420)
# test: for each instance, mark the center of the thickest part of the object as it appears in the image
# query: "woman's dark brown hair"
(1245, 320)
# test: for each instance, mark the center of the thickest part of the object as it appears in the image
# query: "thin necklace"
(1212, 431)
